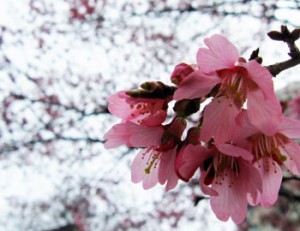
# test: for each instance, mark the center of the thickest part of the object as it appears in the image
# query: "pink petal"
(118, 106)
(139, 164)
(292, 151)
(235, 151)
(116, 136)
(251, 176)
(188, 160)
(133, 135)
(233, 191)
(154, 119)
(219, 120)
(232, 201)
(271, 174)
(245, 129)
(264, 114)
(290, 128)
(220, 54)
(262, 77)
(196, 85)
(206, 189)
(145, 136)
(167, 169)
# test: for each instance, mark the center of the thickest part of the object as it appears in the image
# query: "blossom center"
(268, 146)
(140, 109)
(219, 167)
(235, 84)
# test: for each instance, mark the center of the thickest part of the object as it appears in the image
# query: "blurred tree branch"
(289, 38)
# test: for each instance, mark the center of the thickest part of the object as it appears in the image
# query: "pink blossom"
(157, 163)
(241, 81)
(226, 175)
(272, 151)
(220, 65)
(133, 135)
(279, 147)
(144, 111)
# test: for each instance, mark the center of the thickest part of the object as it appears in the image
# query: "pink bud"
(181, 71)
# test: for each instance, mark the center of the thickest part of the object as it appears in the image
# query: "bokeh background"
(59, 60)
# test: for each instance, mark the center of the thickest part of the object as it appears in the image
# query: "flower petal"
(196, 85)
(206, 189)
(220, 54)
(290, 128)
(118, 106)
(271, 174)
(138, 174)
(133, 135)
(245, 129)
(219, 120)
(235, 151)
(264, 114)
(292, 151)
(188, 160)
(232, 200)
(167, 169)
(233, 191)
(262, 77)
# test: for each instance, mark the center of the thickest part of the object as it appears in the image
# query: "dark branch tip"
(295, 35)
(254, 56)
(276, 35)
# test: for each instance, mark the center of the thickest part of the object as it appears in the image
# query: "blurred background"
(61, 59)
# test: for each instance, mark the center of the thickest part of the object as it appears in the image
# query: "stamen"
(268, 146)
(153, 163)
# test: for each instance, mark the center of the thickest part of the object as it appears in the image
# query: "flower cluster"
(239, 144)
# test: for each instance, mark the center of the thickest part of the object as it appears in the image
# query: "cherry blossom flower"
(242, 82)
(145, 111)
(157, 163)
(270, 152)
(226, 175)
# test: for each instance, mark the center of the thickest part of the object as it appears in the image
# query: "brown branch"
(275, 69)
(289, 38)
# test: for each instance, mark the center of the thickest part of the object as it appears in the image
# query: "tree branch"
(289, 38)
(275, 69)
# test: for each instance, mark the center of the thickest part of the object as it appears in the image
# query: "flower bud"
(181, 71)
